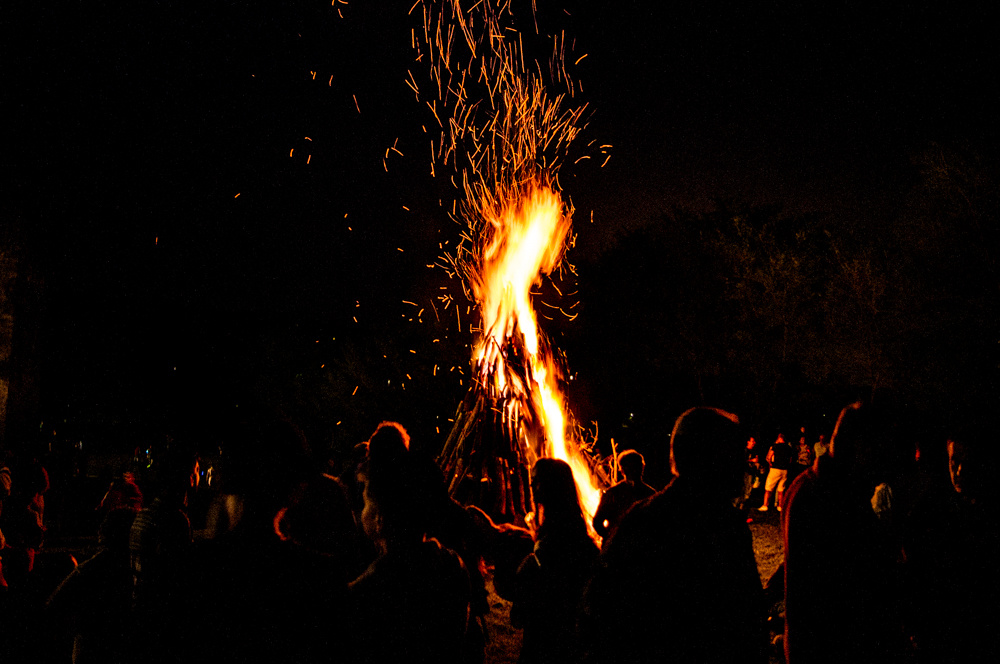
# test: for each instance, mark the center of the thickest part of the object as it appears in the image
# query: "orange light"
(528, 241)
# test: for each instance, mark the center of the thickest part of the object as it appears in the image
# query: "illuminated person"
(780, 458)
(617, 500)
(551, 580)
(838, 601)
(678, 581)
(804, 455)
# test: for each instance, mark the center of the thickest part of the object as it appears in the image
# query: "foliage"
(769, 311)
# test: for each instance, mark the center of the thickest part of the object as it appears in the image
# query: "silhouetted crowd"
(888, 557)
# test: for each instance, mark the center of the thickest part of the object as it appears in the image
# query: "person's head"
(554, 492)
(843, 440)
(752, 443)
(961, 467)
(864, 444)
(318, 517)
(390, 441)
(707, 445)
(780, 439)
(398, 500)
(632, 465)
(265, 458)
(175, 474)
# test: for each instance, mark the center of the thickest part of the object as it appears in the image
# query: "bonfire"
(506, 123)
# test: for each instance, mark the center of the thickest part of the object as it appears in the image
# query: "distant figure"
(5, 479)
(550, 582)
(122, 493)
(838, 594)
(753, 461)
(780, 458)
(804, 457)
(617, 500)
(22, 521)
(161, 532)
(412, 603)
(679, 581)
(819, 447)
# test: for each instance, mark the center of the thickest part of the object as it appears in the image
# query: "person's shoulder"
(801, 490)
(614, 490)
(658, 500)
(438, 556)
(804, 481)
(643, 515)
(644, 490)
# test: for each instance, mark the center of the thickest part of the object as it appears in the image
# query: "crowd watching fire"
(520, 536)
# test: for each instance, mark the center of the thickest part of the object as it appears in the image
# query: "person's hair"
(707, 443)
(553, 488)
(265, 458)
(389, 441)
(867, 443)
(632, 464)
(845, 427)
(403, 494)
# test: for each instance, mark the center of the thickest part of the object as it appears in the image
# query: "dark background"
(799, 209)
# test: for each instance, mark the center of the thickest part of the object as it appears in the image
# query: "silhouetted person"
(161, 532)
(839, 601)
(389, 443)
(92, 607)
(617, 500)
(951, 555)
(248, 594)
(319, 518)
(412, 603)
(678, 581)
(550, 581)
(454, 527)
(159, 544)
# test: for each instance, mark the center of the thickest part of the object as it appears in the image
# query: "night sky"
(156, 173)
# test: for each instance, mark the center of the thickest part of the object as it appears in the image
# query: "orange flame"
(526, 240)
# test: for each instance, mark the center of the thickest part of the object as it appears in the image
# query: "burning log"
(482, 464)
(498, 434)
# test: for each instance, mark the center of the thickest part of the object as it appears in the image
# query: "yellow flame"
(526, 241)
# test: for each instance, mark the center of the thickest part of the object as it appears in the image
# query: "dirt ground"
(504, 642)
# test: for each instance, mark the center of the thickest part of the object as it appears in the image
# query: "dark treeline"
(778, 311)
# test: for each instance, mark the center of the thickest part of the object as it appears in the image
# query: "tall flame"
(507, 121)
(527, 241)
